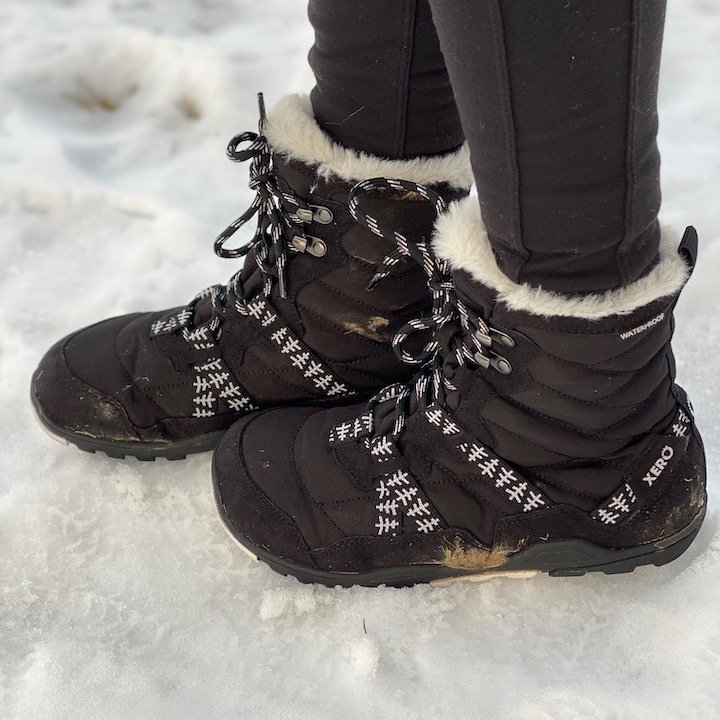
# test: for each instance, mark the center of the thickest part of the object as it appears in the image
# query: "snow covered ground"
(120, 594)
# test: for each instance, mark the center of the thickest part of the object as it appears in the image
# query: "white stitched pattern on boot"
(351, 430)
(268, 318)
(606, 516)
(215, 388)
(474, 452)
(399, 496)
(382, 449)
(623, 501)
(300, 356)
(620, 503)
(681, 425)
(389, 507)
(300, 360)
(406, 495)
(489, 467)
(399, 478)
(503, 477)
(386, 526)
(235, 399)
(213, 384)
(533, 501)
(426, 525)
(200, 338)
(170, 323)
(492, 468)
(255, 308)
(435, 416)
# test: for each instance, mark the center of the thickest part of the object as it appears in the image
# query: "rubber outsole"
(559, 558)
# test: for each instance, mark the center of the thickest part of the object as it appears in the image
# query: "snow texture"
(120, 594)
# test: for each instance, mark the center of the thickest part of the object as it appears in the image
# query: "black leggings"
(557, 100)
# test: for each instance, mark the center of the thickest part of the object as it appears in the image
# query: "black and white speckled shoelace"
(281, 218)
(473, 339)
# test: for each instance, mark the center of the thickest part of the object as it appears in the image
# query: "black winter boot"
(542, 433)
(295, 325)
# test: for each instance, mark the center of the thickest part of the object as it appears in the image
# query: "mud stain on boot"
(370, 329)
(468, 557)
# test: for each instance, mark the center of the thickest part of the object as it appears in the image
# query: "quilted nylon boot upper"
(295, 325)
(534, 420)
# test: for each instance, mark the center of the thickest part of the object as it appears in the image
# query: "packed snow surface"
(120, 594)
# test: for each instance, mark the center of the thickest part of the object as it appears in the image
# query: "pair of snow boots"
(385, 405)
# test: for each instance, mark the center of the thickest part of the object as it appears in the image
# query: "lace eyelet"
(502, 338)
(322, 215)
(317, 247)
(501, 365)
(482, 361)
(310, 245)
(315, 213)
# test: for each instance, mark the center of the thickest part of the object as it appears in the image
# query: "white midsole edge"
(482, 577)
(237, 542)
(47, 430)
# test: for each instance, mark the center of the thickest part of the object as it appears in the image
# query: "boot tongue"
(203, 311)
(384, 417)
(251, 277)
(295, 180)
(252, 282)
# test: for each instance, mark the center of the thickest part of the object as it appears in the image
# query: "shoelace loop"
(277, 224)
(281, 217)
(471, 342)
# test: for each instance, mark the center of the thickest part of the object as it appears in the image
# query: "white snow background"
(120, 594)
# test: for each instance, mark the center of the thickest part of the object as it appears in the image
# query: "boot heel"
(626, 560)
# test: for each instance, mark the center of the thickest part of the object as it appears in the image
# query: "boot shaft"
(327, 258)
(588, 381)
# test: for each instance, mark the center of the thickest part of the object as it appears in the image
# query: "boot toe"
(255, 487)
(69, 405)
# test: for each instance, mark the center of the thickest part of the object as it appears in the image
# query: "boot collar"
(294, 133)
(461, 238)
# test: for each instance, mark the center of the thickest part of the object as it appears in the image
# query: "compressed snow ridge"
(120, 593)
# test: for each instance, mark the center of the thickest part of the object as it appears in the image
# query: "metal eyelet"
(316, 246)
(483, 339)
(322, 215)
(309, 244)
(482, 360)
(501, 365)
(315, 213)
(502, 338)
(305, 215)
(300, 243)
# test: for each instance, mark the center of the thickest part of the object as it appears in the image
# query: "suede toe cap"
(247, 510)
(66, 403)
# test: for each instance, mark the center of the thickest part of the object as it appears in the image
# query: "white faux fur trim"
(293, 132)
(460, 237)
